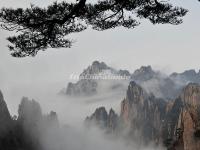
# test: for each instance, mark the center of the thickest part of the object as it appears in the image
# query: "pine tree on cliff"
(41, 28)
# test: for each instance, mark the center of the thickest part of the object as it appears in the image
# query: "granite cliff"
(174, 124)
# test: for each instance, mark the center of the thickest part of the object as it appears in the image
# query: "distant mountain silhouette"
(161, 85)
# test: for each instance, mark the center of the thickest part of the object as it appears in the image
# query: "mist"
(72, 134)
(81, 138)
(41, 78)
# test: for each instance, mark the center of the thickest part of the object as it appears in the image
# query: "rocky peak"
(5, 117)
(111, 112)
(102, 119)
(95, 68)
(89, 85)
(188, 122)
(52, 119)
(29, 110)
(190, 72)
(191, 94)
(124, 72)
(100, 115)
(3, 108)
(134, 93)
(142, 113)
(187, 76)
(144, 73)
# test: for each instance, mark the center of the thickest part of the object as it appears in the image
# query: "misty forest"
(99, 75)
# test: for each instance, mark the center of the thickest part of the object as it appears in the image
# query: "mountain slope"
(95, 79)
(174, 124)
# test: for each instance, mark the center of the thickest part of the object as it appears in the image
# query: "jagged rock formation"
(143, 74)
(104, 120)
(143, 114)
(187, 121)
(90, 79)
(155, 82)
(5, 118)
(52, 119)
(162, 86)
(186, 77)
(175, 124)
(25, 131)
(29, 111)
(82, 88)
(12, 136)
(95, 68)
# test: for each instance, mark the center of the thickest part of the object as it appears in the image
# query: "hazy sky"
(167, 47)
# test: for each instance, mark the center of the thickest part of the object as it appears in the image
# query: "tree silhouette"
(41, 28)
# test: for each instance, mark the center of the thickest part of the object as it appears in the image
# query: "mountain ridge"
(174, 124)
(161, 85)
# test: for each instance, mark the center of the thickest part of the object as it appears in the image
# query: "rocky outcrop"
(95, 68)
(13, 135)
(161, 85)
(52, 119)
(175, 124)
(143, 114)
(25, 132)
(189, 117)
(29, 111)
(143, 74)
(90, 79)
(87, 86)
(83, 87)
(5, 118)
(186, 77)
(155, 82)
(108, 121)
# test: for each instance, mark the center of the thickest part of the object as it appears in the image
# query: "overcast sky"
(166, 47)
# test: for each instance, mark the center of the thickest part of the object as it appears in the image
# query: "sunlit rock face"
(189, 117)
(143, 114)
(174, 124)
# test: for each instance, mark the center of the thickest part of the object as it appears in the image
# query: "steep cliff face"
(155, 82)
(175, 124)
(12, 133)
(143, 114)
(5, 118)
(189, 117)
